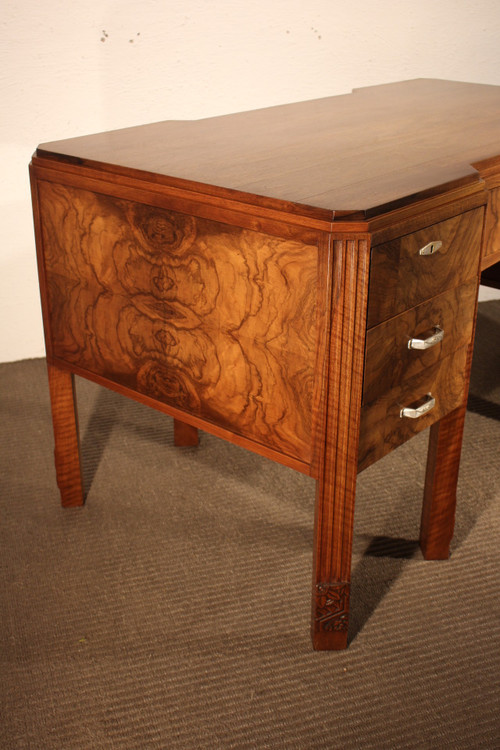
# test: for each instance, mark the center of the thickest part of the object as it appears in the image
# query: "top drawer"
(401, 277)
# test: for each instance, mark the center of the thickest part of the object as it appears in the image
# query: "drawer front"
(389, 359)
(401, 277)
(382, 427)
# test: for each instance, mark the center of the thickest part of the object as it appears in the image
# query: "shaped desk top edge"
(357, 155)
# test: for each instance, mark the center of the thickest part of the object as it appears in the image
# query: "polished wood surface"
(213, 320)
(339, 435)
(389, 361)
(401, 278)
(440, 492)
(66, 436)
(382, 427)
(258, 276)
(441, 477)
(358, 152)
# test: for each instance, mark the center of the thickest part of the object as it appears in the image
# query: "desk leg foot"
(66, 436)
(184, 434)
(440, 493)
(330, 616)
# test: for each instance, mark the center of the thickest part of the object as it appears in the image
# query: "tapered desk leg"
(338, 464)
(440, 493)
(66, 436)
(332, 578)
(184, 434)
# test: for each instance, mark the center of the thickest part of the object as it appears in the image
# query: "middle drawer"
(436, 328)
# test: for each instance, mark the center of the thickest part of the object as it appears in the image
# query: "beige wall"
(69, 68)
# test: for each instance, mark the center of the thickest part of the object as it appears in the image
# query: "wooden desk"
(260, 276)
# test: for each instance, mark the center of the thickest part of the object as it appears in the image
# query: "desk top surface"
(351, 154)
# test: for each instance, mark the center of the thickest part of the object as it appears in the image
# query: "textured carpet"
(172, 611)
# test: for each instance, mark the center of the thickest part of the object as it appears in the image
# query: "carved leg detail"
(443, 460)
(331, 616)
(184, 434)
(66, 436)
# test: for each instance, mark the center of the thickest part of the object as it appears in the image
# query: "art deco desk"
(300, 280)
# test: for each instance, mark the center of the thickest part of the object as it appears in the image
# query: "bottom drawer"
(382, 426)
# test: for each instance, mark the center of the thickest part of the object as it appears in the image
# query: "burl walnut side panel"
(215, 320)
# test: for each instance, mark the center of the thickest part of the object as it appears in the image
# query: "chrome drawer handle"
(436, 337)
(431, 248)
(419, 411)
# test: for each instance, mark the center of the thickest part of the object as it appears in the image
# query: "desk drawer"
(382, 426)
(401, 277)
(389, 360)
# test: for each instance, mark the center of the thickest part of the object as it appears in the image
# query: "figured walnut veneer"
(389, 361)
(383, 429)
(217, 321)
(258, 276)
(400, 278)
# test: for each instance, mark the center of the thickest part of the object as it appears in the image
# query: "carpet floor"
(172, 610)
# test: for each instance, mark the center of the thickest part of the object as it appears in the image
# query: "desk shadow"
(381, 565)
(483, 407)
(99, 426)
(485, 371)
(103, 411)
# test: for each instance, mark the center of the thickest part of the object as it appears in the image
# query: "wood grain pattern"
(400, 278)
(66, 436)
(382, 428)
(440, 491)
(281, 223)
(355, 152)
(214, 320)
(389, 361)
(339, 430)
(441, 477)
(218, 271)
